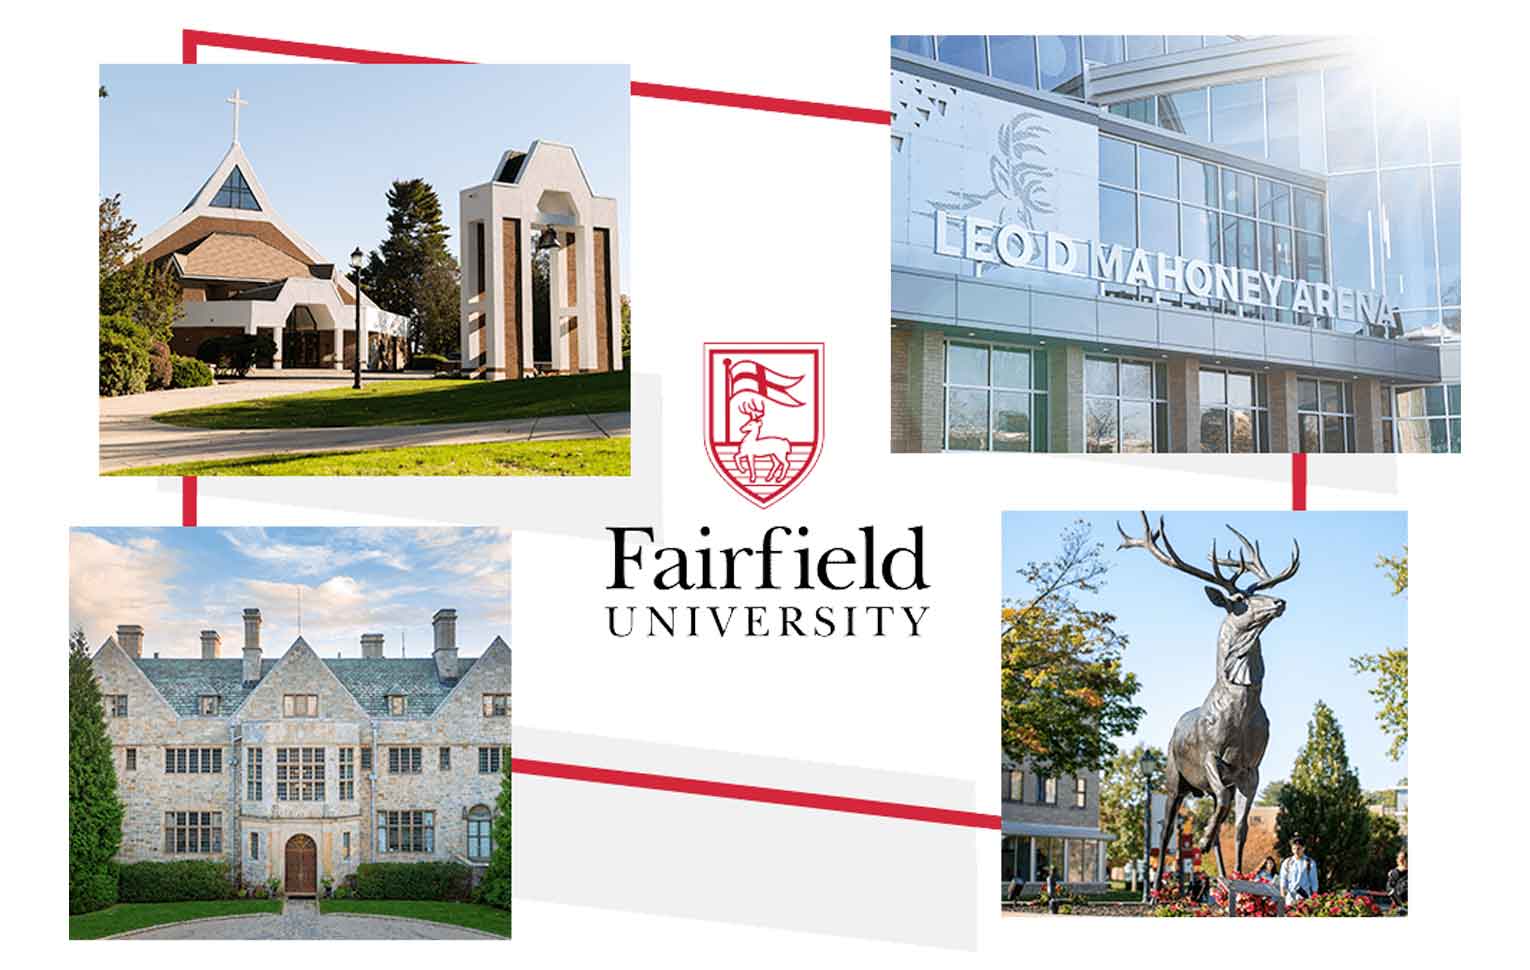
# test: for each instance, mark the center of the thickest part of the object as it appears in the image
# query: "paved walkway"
(130, 438)
(301, 920)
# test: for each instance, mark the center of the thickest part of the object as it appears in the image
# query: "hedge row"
(430, 362)
(238, 352)
(413, 880)
(173, 882)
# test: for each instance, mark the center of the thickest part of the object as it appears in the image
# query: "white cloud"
(112, 583)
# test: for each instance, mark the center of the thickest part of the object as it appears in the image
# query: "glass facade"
(996, 398)
(1235, 416)
(1126, 406)
(1425, 419)
(1171, 203)
(1325, 414)
(1394, 192)
(1045, 63)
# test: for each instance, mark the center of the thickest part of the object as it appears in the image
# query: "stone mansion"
(300, 768)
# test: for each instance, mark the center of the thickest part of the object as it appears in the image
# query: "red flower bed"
(1343, 903)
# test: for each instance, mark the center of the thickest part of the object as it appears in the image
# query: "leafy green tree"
(626, 325)
(1064, 691)
(1123, 801)
(408, 271)
(95, 812)
(1381, 854)
(1270, 797)
(495, 888)
(1390, 669)
(1324, 804)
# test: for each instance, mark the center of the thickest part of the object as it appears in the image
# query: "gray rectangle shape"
(1239, 338)
(1004, 306)
(1185, 331)
(923, 296)
(1063, 315)
(1126, 321)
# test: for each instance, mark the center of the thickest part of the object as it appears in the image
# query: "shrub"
(171, 882)
(124, 357)
(93, 891)
(342, 892)
(1335, 904)
(189, 372)
(159, 365)
(413, 880)
(236, 353)
(430, 362)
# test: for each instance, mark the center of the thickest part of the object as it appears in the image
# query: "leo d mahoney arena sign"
(987, 242)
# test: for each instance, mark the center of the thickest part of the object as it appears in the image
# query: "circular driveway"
(301, 920)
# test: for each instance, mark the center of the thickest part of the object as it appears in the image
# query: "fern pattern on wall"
(1019, 175)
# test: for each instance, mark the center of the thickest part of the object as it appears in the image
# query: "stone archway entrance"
(302, 866)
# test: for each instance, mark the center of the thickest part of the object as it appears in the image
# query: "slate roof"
(182, 680)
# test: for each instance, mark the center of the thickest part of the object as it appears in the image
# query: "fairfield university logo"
(764, 422)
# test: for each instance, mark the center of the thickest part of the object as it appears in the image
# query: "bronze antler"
(1169, 557)
(1249, 561)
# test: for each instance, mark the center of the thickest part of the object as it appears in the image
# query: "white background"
(758, 226)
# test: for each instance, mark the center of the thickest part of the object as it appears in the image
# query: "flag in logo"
(764, 421)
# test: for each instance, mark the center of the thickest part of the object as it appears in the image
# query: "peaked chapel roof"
(202, 206)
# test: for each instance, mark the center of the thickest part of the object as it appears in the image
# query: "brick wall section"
(602, 299)
(1065, 397)
(902, 423)
(926, 390)
(152, 725)
(1184, 403)
(510, 230)
(1284, 430)
(1368, 427)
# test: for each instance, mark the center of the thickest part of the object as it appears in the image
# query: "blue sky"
(1339, 605)
(326, 140)
(177, 582)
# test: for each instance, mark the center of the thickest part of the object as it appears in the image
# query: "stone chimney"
(372, 645)
(130, 638)
(210, 644)
(251, 645)
(445, 653)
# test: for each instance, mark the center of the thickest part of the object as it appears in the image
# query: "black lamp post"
(1147, 764)
(356, 265)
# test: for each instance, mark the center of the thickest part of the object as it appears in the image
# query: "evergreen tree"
(405, 273)
(129, 286)
(95, 812)
(1324, 804)
(495, 888)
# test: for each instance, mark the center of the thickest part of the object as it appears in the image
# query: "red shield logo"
(764, 419)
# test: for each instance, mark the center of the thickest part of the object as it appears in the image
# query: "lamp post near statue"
(1147, 764)
(356, 266)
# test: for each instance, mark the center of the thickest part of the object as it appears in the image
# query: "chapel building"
(243, 269)
(299, 768)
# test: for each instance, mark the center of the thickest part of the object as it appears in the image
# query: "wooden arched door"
(302, 866)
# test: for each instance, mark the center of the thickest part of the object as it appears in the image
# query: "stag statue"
(1217, 747)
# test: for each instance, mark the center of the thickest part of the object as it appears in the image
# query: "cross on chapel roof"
(237, 103)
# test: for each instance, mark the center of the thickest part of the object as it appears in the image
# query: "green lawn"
(589, 456)
(471, 915)
(135, 916)
(404, 402)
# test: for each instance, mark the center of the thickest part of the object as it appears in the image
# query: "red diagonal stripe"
(189, 500)
(755, 102)
(192, 39)
(1299, 482)
(753, 793)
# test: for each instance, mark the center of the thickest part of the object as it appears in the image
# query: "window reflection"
(1058, 61)
(1185, 112)
(1408, 238)
(1014, 59)
(967, 51)
(923, 45)
(1352, 204)
(1237, 117)
(1401, 134)
(1294, 116)
(1347, 105)
(1144, 46)
(1447, 221)
(1104, 49)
